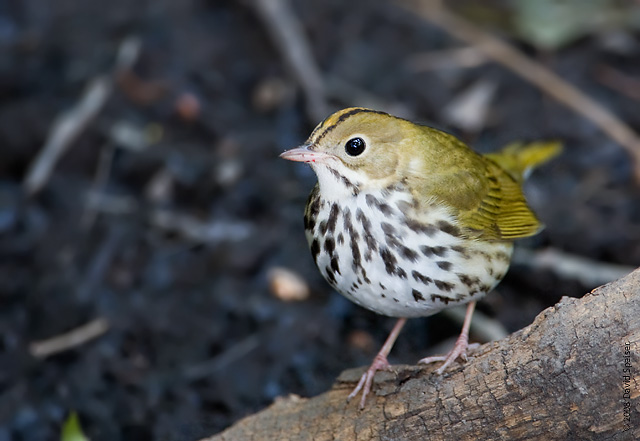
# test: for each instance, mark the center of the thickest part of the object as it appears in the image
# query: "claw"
(379, 363)
(459, 349)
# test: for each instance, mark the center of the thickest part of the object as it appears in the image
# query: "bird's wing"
(498, 208)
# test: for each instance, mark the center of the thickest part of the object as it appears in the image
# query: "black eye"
(354, 146)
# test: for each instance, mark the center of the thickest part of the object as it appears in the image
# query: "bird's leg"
(379, 363)
(459, 349)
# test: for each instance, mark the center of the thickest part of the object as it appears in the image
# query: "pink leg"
(459, 349)
(379, 363)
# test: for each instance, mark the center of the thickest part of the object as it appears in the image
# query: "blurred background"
(154, 274)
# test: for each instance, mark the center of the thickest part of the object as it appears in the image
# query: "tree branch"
(560, 378)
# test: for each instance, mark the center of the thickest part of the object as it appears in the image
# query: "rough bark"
(561, 378)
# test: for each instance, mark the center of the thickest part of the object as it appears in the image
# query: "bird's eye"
(354, 146)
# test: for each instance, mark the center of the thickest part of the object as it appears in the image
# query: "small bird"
(406, 220)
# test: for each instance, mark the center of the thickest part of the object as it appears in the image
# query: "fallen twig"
(287, 34)
(64, 131)
(208, 368)
(100, 263)
(590, 273)
(70, 124)
(435, 13)
(64, 342)
(199, 230)
(446, 59)
(97, 186)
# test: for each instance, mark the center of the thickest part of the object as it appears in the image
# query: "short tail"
(519, 159)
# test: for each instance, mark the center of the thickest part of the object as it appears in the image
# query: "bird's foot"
(380, 363)
(459, 351)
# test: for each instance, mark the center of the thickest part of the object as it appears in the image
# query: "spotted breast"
(373, 250)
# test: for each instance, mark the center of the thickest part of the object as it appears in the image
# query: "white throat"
(336, 181)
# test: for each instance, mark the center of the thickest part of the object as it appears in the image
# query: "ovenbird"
(406, 220)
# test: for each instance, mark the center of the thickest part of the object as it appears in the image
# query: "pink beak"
(303, 154)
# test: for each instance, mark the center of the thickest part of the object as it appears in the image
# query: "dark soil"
(196, 339)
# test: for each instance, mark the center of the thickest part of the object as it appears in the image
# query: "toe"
(366, 381)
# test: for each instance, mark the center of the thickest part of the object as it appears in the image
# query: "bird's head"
(356, 149)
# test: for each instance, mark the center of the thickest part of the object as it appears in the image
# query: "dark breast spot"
(312, 210)
(313, 203)
(334, 264)
(389, 260)
(433, 251)
(421, 278)
(390, 263)
(373, 202)
(444, 265)
(323, 227)
(449, 228)
(462, 251)
(368, 235)
(443, 299)
(372, 247)
(364, 276)
(370, 200)
(366, 224)
(501, 255)
(355, 254)
(329, 245)
(348, 225)
(315, 249)
(385, 209)
(408, 254)
(329, 275)
(417, 295)
(347, 183)
(390, 236)
(468, 280)
(388, 228)
(333, 218)
(488, 257)
(444, 286)
(419, 227)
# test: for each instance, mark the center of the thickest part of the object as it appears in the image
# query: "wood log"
(573, 374)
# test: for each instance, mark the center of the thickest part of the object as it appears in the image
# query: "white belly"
(386, 261)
